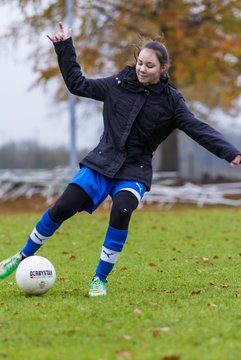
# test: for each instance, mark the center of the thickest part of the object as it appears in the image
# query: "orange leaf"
(123, 268)
(39, 305)
(196, 292)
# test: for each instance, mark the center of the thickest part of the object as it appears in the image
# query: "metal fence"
(50, 183)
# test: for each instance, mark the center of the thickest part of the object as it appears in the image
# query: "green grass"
(174, 293)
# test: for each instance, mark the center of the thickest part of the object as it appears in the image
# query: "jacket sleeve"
(74, 79)
(202, 133)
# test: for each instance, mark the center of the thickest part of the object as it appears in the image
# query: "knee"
(121, 211)
(120, 216)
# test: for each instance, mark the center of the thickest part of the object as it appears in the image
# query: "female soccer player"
(140, 110)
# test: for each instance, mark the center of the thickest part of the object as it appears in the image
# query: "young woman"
(140, 110)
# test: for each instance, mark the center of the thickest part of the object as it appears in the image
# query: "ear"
(164, 68)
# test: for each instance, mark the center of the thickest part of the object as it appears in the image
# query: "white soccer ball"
(35, 275)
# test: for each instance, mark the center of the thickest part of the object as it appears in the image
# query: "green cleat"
(7, 266)
(97, 287)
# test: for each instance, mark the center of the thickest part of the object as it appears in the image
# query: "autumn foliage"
(203, 38)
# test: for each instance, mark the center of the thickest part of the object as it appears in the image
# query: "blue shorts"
(98, 187)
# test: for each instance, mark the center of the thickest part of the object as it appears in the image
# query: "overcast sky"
(31, 115)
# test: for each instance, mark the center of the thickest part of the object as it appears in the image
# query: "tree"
(203, 38)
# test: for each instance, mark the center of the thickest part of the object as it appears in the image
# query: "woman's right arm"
(74, 79)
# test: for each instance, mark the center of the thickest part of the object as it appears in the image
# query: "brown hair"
(160, 50)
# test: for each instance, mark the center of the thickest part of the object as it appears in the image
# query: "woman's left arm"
(205, 134)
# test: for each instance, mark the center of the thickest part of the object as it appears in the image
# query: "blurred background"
(43, 127)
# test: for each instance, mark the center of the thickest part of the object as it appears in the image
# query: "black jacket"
(137, 119)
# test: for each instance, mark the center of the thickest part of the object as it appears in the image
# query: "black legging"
(74, 197)
(69, 203)
(124, 203)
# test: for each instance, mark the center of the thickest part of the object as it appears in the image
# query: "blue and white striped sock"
(43, 230)
(111, 249)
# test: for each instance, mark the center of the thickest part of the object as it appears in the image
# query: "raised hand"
(60, 35)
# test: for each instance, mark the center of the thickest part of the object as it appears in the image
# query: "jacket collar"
(131, 82)
(157, 88)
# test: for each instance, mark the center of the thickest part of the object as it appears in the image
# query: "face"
(148, 67)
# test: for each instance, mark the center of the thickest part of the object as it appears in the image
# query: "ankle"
(23, 255)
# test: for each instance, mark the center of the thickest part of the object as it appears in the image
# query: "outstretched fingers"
(61, 26)
(50, 37)
(60, 35)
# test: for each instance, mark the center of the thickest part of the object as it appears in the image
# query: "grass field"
(174, 293)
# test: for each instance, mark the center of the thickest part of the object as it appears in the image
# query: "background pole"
(73, 161)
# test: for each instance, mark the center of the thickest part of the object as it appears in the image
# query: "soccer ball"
(35, 275)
